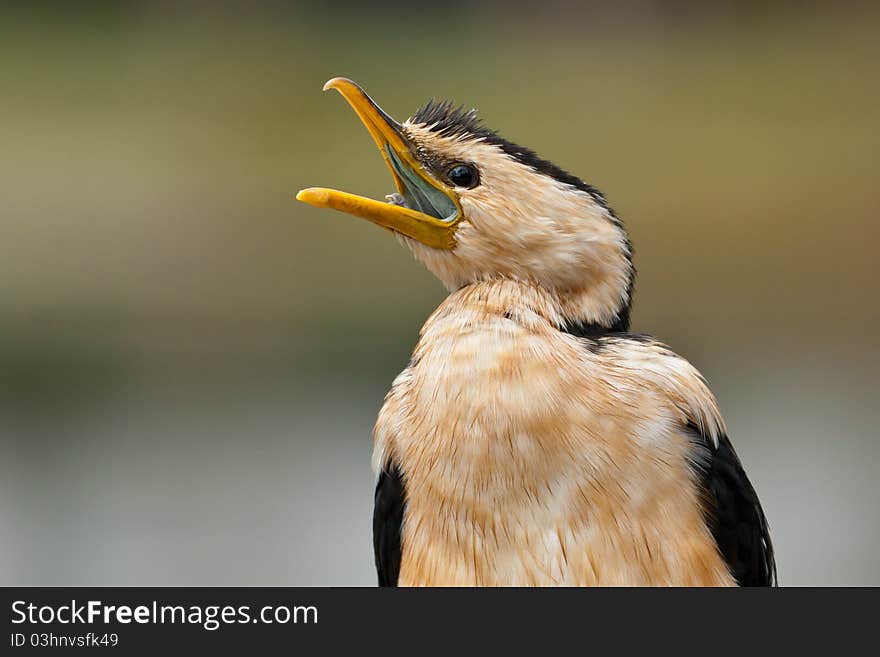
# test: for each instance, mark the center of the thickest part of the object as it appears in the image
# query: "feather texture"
(531, 457)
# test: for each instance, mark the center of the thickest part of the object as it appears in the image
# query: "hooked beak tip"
(335, 83)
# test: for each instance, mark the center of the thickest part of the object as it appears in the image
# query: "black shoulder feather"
(387, 523)
(734, 514)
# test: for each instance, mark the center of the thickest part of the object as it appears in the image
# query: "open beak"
(425, 209)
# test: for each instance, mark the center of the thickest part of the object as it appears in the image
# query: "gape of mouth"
(397, 199)
(418, 194)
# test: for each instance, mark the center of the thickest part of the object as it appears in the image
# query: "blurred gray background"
(191, 362)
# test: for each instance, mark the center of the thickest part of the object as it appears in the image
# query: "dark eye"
(463, 175)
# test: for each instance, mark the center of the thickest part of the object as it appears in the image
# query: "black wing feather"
(387, 523)
(735, 516)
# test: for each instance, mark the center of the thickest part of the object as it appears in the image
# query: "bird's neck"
(590, 315)
(579, 312)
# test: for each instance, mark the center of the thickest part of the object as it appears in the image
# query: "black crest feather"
(444, 118)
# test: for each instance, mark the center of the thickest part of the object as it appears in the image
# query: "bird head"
(475, 207)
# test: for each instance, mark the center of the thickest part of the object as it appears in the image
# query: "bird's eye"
(463, 175)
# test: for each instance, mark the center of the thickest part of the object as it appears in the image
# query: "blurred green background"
(191, 362)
